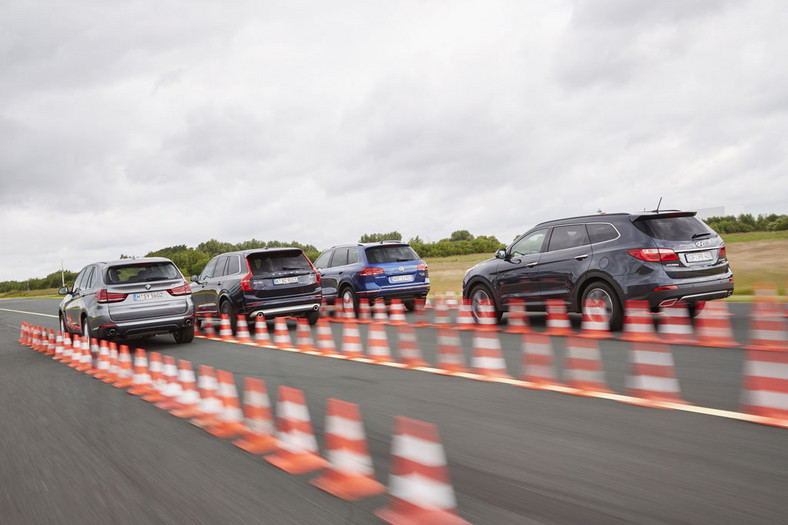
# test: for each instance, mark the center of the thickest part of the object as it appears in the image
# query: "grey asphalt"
(75, 450)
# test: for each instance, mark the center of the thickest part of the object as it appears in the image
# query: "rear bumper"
(145, 327)
(692, 292)
(404, 293)
(278, 311)
(282, 306)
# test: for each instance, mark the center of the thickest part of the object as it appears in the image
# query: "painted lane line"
(28, 313)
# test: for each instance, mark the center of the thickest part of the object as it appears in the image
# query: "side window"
(322, 261)
(571, 236)
(601, 231)
(208, 270)
(81, 278)
(90, 282)
(531, 243)
(340, 257)
(233, 265)
(221, 264)
(352, 256)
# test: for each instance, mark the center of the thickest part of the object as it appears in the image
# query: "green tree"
(377, 237)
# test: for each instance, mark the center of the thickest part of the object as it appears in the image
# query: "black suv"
(273, 282)
(662, 257)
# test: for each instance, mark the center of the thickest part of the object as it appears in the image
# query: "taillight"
(106, 297)
(723, 253)
(370, 271)
(654, 254)
(422, 267)
(246, 282)
(317, 274)
(666, 288)
(183, 289)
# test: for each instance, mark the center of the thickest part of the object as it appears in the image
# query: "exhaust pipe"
(188, 322)
(111, 332)
(315, 308)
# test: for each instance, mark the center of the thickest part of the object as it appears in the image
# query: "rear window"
(390, 253)
(142, 273)
(601, 231)
(673, 228)
(261, 263)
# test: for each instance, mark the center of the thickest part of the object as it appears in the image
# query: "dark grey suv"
(661, 257)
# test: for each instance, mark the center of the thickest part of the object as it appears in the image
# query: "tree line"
(745, 222)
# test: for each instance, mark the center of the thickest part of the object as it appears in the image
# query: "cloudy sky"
(126, 127)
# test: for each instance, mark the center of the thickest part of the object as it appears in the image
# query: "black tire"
(410, 305)
(87, 331)
(184, 335)
(602, 291)
(63, 328)
(348, 295)
(482, 292)
(696, 308)
(225, 308)
(313, 317)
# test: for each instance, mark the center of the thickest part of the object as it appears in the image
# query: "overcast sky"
(126, 127)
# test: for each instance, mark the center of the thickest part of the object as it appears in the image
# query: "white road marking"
(28, 313)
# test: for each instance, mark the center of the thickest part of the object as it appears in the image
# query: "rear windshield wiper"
(703, 234)
(292, 268)
(149, 279)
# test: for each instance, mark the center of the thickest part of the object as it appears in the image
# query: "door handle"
(219, 283)
(531, 265)
(581, 257)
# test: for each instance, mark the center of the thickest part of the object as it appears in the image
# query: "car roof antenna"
(660, 202)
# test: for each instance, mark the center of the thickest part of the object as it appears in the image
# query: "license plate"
(699, 257)
(147, 296)
(400, 278)
(286, 280)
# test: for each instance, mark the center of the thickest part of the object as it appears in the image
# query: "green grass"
(753, 236)
(46, 293)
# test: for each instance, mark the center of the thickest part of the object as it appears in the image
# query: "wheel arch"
(589, 279)
(479, 280)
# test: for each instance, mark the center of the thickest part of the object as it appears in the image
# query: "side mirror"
(501, 254)
(196, 279)
(63, 291)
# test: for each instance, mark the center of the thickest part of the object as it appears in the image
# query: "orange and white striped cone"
(465, 319)
(230, 416)
(675, 326)
(34, 335)
(94, 358)
(207, 328)
(339, 311)
(558, 322)
(596, 322)
(114, 367)
(765, 303)
(450, 355)
(258, 433)
(158, 383)
(124, 368)
(379, 311)
(86, 359)
(102, 369)
(50, 343)
(768, 333)
(419, 308)
(487, 357)
(58, 346)
(652, 378)
(348, 310)
(140, 382)
(638, 322)
(538, 366)
(76, 355)
(487, 318)
(351, 341)
(451, 300)
(765, 388)
(189, 400)
(172, 387)
(409, 351)
(326, 309)
(210, 404)
(350, 475)
(225, 329)
(419, 487)
(397, 313)
(325, 338)
(242, 334)
(304, 342)
(516, 317)
(296, 449)
(583, 365)
(378, 344)
(261, 337)
(713, 326)
(441, 317)
(23, 334)
(282, 334)
(68, 350)
(364, 311)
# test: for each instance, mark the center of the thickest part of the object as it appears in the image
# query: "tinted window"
(601, 232)
(673, 228)
(80, 278)
(208, 270)
(571, 236)
(390, 253)
(322, 261)
(221, 264)
(233, 265)
(531, 243)
(142, 272)
(352, 256)
(340, 257)
(91, 280)
(267, 262)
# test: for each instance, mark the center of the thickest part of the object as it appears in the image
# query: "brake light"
(422, 267)
(723, 253)
(106, 297)
(246, 282)
(654, 254)
(183, 289)
(317, 274)
(370, 271)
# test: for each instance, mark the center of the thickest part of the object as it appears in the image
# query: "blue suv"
(388, 269)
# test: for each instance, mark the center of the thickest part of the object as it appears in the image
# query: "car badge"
(402, 268)
(147, 287)
(700, 244)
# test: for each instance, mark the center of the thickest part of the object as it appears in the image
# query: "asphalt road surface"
(75, 450)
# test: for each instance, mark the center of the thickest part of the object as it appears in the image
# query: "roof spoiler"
(663, 214)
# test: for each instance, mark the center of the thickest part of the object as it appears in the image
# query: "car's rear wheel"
(184, 335)
(313, 316)
(225, 308)
(349, 299)
(479, 294)
(410, 305)
(601, 291)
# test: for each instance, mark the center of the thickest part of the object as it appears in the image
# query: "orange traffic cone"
(207, 328)
(768, 333)
(765, 389)
(558, 322)
(339, 311)
(450, 355)
(397, 312)
(258, 433)
(68, 350)
(538, 360)
(409, 351)
(713, 326)
(638, 322)
(58, 346)
(230, 417)
(419, 308)
(596, 322)
(675, 325)
(86, 358)
(325, 338)
(140, 382)
(103, 361)
(377, 344)
(379, 311)
(172, 389)
(351, 341)
(157, 381)
(652, 378)
(189, 400)
(517, 317)
(583, 365)
(210, 404)
(488, 319)
(350, 475)
(296, 450)
(225, 329)
(261, 337)
(364, 312)
(419, 487)
(282, 334)
(465, 319)
(441, 318)
(124, 368)
(242, 334)
(304, 341)
(51, 343)
(487, 358)
(76, 356)
(23, 335)
(114, 367)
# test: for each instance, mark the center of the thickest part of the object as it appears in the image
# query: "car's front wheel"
(184, 335)
(227, 309)
(479, 294)
(63, 328)
(601, 291)
(349, 299)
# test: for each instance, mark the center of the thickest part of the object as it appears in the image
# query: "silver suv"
(129, 298)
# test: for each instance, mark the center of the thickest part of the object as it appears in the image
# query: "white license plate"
(146, 296)
(699, 257)
(286, 280)
(400, 278)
